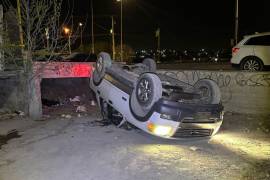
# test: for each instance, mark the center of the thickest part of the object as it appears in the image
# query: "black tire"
(209, 91)
(251, 63)
(103, 61)
(150, 64)
(147, 92)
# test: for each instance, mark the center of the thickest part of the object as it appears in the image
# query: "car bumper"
(186, 120)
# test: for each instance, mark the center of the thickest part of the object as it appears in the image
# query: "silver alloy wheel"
(99, 64)
(205, 93)
(144, 91)
(252, 65)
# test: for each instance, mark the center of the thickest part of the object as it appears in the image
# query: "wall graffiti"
(225, 80)
(253, 80)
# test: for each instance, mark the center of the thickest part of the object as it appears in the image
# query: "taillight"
(235, 50)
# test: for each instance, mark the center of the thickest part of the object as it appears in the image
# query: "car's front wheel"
(147, 92)
(103, 61)
(251, 64)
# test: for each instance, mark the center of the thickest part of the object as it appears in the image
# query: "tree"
(128, 53)
(40, 33)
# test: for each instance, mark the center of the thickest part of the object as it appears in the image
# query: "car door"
(262, 49)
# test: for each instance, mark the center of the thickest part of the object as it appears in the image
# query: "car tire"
(150, 64)
(251, 63)
(147, 91)
(103, 61)
(209, 91)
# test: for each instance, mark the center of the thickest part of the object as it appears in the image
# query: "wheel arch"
(252, 56)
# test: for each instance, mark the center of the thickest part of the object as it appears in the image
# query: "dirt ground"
(81, 147)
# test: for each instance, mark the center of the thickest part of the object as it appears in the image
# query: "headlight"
(159, 130)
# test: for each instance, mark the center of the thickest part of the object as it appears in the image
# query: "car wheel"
(103, 61)
(150, 64)
(251, 64)
(208, 90)
(147, 92)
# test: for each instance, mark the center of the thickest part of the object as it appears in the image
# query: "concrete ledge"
(13, 91)
(243, 92)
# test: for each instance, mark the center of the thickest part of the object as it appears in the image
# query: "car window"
(261, 41)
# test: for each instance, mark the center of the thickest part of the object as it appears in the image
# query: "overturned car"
(156, 103)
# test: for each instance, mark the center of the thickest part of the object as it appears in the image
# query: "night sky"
(183, 24)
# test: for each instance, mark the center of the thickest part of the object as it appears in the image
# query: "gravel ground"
(82, 148)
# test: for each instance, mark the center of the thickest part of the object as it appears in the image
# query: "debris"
(79, 115)
(20, 113)
(194, 148)
(67, 116)
(81, 108)
(75, 99)
(93, 103)
(246, 130)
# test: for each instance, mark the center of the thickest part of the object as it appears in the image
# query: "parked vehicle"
(47, 58)
(156, 103)
(252, 53)
(222, 55)
(81, 57)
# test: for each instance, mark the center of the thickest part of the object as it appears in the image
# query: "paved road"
(80, 148)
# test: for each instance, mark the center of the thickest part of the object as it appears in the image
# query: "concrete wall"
(13, 91)
(243, 92)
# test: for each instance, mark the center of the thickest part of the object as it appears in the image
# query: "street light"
(80, 25)
(121, 34)
(67, 31)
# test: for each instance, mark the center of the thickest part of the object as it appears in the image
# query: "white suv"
(253, 52)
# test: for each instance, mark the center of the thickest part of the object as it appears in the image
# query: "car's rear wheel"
(147, 92)
(208, 90)
(150, 64)
(103, 61)
(251, 64)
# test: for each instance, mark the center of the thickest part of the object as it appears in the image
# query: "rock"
(194, 148)
(20, 113)
(81, 108)
(75, 99)
(68, 116)
(93, 103)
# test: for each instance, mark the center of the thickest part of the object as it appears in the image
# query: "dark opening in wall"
(68, 93)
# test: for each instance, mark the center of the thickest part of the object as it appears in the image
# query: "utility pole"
(113, 41)
(121, 45)
(92, 28)
(158, 43)
(81, 29)
(1, 38)
(236, 22)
